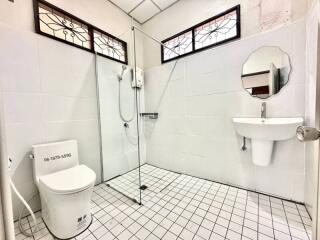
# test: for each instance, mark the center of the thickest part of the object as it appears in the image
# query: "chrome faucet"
(264, 110)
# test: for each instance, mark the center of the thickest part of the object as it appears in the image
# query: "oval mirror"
(265, 72)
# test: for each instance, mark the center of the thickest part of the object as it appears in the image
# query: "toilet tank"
(54, 157)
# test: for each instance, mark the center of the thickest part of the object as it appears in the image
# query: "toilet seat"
(65, 188)
(68, 181)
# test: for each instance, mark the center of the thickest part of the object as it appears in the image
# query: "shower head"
(124, 67)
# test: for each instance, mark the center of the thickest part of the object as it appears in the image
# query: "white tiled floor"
(154, 178)
(191, 208)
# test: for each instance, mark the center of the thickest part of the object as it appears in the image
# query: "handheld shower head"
(124, 67)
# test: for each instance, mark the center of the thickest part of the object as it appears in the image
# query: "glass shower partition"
(128, 122)
(156, 121)
(118, 109)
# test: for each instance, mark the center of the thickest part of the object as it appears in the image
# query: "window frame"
(193, 28)
(91, 30)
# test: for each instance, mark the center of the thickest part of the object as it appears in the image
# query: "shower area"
(126, 124)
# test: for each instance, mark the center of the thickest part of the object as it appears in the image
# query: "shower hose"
(120, 110)
(123, 118)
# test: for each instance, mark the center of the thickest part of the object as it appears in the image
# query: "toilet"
(65, 188)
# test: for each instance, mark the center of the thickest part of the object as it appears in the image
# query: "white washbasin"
(274, 129)
(263, 132)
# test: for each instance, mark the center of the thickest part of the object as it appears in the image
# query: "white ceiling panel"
(126, 5)
(145, 11)
(163, 4)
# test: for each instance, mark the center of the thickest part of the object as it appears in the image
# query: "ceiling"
(143, 10)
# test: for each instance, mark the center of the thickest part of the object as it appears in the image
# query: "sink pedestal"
(261, 152)
(263, 132)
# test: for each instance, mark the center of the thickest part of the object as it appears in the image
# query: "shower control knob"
(305, 134)
(126, 125)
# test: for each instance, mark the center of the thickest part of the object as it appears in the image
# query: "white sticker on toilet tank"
(57, 157)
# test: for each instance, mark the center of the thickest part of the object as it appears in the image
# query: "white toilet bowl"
(65, 190)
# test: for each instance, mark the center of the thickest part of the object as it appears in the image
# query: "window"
(217, 30)
(55, 23)
(61, 26)
(181, 45)
(107, 45)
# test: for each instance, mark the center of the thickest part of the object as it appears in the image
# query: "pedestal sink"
(263, 132)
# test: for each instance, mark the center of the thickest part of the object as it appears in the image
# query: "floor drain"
(143, 187)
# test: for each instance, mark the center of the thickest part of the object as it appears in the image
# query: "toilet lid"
(70, 180)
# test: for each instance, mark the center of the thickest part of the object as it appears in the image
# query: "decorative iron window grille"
(181, 45)
(109, 46)
(63, 27)
(217, 30)
(60, 25)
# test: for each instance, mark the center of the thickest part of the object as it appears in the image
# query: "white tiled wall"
(257, 16)
(49, 95)
(120, 154)
(49, 87)
(194, 133)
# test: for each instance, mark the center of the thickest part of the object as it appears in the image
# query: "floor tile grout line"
(206, 212)
(209, 208)
(273, 230)
(99, 210)
(171, 210)
(118, 223)
(109, 230)
(214, 181)
(44, 236)
(167, 184)
(245, 208)
(187, 210)
(239, 187)
(286, 218)
(170, 183)
(184, 209)
(153, 172)
(219, 213)
(232, 212)
(99, 227)
(258, 232)
(33, 237)
(134, 234)
(139, 224)
(92, 234)
(191, 186)
(305, 229)
(131, 224)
